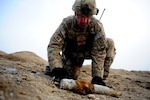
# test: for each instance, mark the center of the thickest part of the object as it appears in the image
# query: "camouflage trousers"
(111, 52)
(74, 71)
(109, 57)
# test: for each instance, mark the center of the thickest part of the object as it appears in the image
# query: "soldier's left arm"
(98, 52)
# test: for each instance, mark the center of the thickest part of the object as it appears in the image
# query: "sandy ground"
(21, 78)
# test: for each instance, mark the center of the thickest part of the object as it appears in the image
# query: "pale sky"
(27, 25)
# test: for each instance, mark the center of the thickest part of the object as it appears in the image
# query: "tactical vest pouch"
(100, 42)
(89, 45)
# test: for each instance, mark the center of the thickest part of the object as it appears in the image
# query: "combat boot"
(47, 71)
(107, 64)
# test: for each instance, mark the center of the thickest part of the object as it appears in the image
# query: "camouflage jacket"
(75, 42)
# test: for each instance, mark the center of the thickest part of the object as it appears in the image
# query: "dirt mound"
(21, 78)
(24, 56)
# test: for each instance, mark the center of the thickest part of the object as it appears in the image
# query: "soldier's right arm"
(55, 47)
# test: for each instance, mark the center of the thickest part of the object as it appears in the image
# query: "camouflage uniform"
(77, 44)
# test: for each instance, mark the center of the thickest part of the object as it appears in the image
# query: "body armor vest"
(78, 42)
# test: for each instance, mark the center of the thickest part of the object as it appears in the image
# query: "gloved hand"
(98, 80)
(59, 73)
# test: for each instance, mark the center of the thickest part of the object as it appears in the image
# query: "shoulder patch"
(57, 38)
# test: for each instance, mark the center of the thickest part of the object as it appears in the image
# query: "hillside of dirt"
(21, 78)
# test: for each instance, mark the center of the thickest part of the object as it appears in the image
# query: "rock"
(91, 96)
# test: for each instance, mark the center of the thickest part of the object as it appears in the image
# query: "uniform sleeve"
(98, 52)
(55, 47)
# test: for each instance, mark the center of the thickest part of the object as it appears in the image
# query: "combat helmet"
(85, 7)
